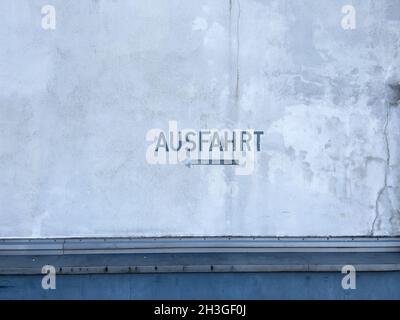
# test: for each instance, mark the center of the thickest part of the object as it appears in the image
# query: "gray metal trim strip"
(195, 245)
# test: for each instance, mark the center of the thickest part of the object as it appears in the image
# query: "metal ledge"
(59, 246)
(200, 263)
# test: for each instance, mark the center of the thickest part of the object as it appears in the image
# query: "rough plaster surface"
(76, 103)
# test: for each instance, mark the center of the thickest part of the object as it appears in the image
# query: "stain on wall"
(76, 103)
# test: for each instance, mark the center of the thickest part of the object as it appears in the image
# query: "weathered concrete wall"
(76, 103)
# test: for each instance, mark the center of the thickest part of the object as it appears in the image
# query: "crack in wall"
(237, 51)
(234, 52)
(376, 222)
(394, 102)
(236, 46)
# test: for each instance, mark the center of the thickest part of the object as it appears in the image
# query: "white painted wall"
(76, 103)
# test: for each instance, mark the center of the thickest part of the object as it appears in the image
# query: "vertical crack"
(392, 99)
(234, 36)
(387, 167)
(237, 51)
(234, 92)
(230, 18)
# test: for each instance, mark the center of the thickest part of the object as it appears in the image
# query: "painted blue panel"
(321, 285)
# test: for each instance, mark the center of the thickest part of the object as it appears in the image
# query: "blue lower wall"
(285, 285)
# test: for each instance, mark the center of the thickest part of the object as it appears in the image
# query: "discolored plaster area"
(76, 104)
